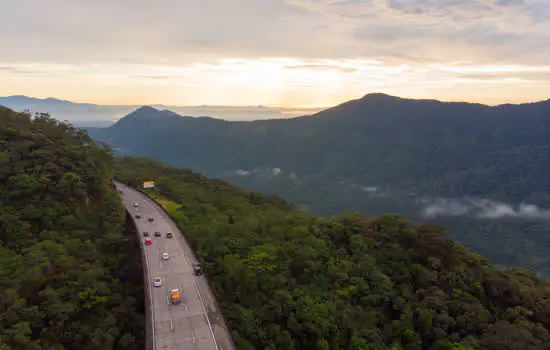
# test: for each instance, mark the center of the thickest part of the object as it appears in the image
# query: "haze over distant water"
(92, 115)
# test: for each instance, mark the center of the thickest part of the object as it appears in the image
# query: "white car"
(157, 282)
(136, 204)
(165, 256)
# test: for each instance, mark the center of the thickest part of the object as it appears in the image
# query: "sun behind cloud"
(289, 53)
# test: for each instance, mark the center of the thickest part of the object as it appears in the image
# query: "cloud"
(438, 30)
(266, 172)
(283, 52)
(481, 208)
(183, 31)
(241, 172)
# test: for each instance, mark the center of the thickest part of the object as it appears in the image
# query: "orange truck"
(175, 296)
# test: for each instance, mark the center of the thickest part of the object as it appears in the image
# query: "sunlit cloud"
(275, 52)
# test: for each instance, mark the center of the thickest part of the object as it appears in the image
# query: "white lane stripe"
(187, 263)
(202, 302)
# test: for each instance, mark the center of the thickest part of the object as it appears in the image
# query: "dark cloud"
(183, 31)
(510, 2)
(518, 75)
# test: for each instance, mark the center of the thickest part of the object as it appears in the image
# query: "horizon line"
(278, 106)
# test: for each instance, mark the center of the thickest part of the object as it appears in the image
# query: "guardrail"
(149, 312)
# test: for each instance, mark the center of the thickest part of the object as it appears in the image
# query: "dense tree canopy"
(289, 280)
(67, 277)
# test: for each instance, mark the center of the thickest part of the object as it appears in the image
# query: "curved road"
(196, 323)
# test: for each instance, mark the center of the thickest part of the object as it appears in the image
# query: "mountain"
(79, 114)
(289, 280)
(449, 149)
(69, 264)
(425, 146)
(94, 115)
(70, 272)
(467, 165)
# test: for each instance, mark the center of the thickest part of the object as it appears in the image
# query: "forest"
(286, 279)
(69, 276)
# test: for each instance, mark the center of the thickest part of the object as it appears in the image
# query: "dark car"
(138, 216)
(157, 234)
(146, 234)
(151, 218)
(169, 235)
(197, 268)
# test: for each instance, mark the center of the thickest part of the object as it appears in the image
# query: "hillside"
(445, 149)
(379, 154)
(68, 276)
(289, 280)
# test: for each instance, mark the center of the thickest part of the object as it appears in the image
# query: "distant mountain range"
(93, 115)
(460, 164)
(425, 146)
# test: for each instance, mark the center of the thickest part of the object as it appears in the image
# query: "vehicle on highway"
(175, 296)
(151, 218)
(148, 241)
(136, 204)
(145, 234)
(165, 256)
(138, 216)
(157, 234)
(157, 282)
(169, 235)
(197, 268)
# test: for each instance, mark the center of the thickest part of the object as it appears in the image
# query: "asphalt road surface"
(196, 323)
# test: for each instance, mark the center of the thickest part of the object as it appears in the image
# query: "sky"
(288, 53)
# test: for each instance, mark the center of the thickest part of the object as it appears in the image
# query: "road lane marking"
(201, 301)
(186, 308)
(183, 246)
(171, 325)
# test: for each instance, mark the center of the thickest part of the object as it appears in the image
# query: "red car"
(148, 241)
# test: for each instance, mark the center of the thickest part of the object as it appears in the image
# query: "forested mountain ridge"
(378, 154)
(289, 280)
(68, 279)
(445, 149)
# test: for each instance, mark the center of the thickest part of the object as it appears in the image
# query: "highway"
(194, 324)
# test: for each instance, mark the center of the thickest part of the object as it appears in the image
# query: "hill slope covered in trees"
(289, 280)
(378, 154)
(68, 279)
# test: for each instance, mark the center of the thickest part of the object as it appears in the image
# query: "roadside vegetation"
(68, 276)
(289, 280)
